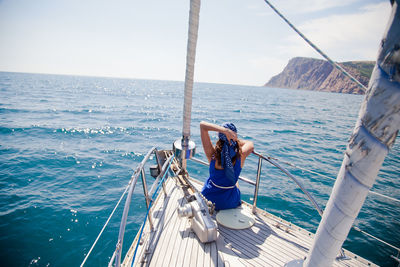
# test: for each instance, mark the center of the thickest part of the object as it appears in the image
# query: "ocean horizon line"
(128, 78)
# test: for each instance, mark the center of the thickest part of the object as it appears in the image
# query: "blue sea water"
(69, 145)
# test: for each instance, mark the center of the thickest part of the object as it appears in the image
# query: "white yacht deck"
(271, 241)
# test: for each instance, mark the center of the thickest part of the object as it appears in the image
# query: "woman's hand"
(208, 147)
(230, 135)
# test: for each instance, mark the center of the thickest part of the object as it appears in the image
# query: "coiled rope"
(317, 49)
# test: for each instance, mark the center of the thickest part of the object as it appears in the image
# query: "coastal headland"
(319, 75)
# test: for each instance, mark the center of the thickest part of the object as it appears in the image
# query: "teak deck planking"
(271, 241)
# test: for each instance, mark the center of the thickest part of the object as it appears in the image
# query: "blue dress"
(219, 190)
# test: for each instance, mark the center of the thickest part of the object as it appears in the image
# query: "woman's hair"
(218, 149)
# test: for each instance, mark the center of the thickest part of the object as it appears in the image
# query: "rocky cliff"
(319, 75)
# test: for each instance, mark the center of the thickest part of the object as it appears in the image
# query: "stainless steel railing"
(257, 182)
(116, 257)
(147, 193)
(273, 162)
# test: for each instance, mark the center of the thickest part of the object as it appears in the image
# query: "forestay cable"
(317, 49)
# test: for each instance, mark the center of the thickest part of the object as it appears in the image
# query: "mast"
(376, 129)
(184, 148)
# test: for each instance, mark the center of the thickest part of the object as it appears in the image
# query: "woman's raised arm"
(208, 147)
(247, 149)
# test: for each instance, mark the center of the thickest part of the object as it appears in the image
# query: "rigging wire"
(330, 178)
(376, 238)
(354, 227)
(362, 87)
(105, 225)
(317, 49)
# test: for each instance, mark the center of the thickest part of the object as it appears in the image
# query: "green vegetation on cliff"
(364, 67)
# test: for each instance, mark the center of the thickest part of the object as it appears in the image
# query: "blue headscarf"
(228, 152)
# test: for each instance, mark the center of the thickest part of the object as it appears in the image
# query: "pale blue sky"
(240, 41)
